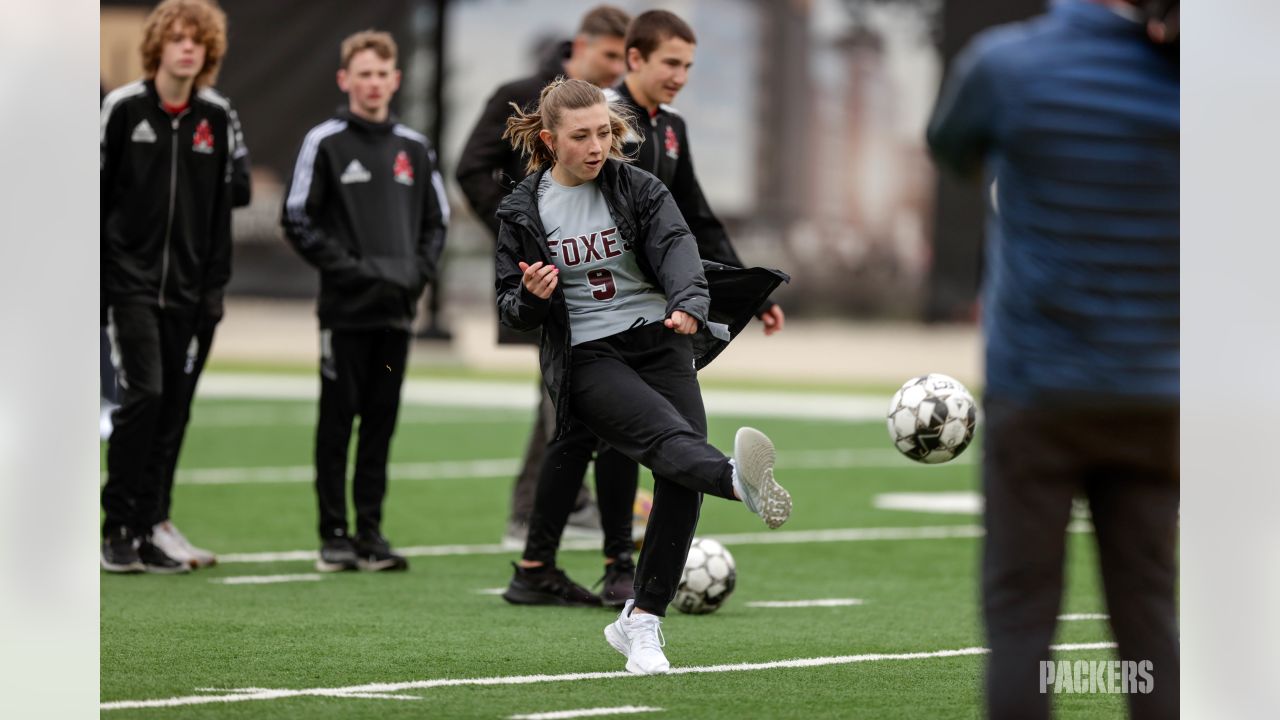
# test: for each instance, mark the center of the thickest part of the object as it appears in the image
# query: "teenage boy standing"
(166, 152)
(366, 207)
(660, 48)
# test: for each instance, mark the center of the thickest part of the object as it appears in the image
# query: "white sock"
(737, 482)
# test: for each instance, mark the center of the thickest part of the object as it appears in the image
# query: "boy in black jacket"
(487, 171)
(166, 257)
(366, 207)
(660, 50)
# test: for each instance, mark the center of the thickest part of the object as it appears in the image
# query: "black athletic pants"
(1125, 461)
(151, 347)
(638, 392)
(171, 437)
(564, 465)
(361, 372)
(524, 492)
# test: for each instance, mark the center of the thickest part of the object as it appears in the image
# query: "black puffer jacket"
(722, 298)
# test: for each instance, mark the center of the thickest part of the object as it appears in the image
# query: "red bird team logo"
(403, 169)
(672, 144)
(202, 141)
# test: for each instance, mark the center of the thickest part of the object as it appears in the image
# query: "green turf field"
(366, 645)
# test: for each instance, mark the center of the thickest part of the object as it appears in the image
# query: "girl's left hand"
(682, 322)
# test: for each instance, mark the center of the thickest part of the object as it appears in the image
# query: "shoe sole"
(326, 567)
(528, 597)
(754, 457)
(381, 565)
(165, 570)
(128, 569)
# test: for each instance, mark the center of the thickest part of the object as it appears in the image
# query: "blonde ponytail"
(559, 95)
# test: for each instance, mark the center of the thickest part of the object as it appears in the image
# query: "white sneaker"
(753, 458)
(639, 638)
(170, 539)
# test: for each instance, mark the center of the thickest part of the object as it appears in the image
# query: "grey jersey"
(603, 285)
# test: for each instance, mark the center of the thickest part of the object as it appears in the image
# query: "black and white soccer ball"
(708, 578)
(931, 418)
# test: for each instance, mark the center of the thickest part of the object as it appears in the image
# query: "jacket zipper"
(173, 192)
(653, 123)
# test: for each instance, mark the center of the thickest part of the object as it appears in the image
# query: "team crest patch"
(403, 169)
(202, 141)
(672, 144)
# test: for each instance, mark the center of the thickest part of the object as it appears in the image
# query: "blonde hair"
(560, 95)
(209, 25)
(381, 43)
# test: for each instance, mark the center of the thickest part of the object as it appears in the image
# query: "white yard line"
(232, 695)
(777, 537)
(1084, 616)
(586, 712)
(524, 396)
(267, 579)
(761, 538)
(883, 458)
(826, 602)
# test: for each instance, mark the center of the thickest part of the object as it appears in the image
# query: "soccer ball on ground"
(931, 418)
(708, 578)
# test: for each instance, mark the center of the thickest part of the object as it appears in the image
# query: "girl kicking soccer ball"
(596, 253)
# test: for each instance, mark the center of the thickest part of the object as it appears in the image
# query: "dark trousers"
(525, 490)
(638, 392)
(361, 372)
(171, 436)
(1125, 461)
(564, 465)
(150, 345)
(110, 391)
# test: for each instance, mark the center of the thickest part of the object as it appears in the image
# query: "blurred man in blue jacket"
(1071, 120)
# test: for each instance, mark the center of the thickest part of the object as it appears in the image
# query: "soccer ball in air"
(708, 578)
(931, 418)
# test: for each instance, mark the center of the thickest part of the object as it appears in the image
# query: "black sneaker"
(120, 552)
(547, 585)
(618, 582)
(337, 554)
(373, 553)
(157, 561)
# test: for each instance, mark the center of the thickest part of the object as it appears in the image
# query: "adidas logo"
(142, 133)
(355, 173)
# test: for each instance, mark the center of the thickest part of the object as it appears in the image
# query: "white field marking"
(586, 712)
(524, 396)
(783, 537)
(826, 602)
(267, 579)
(262, 415)
(964, 503)
(1084, 616)
(761, 538)
(888, 459)
(440, 470)
(491, 591)
(231, 696)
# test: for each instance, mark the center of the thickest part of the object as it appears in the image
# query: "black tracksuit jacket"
(661, 146)
(366, 207)
(722, 298)
(166, 199)
(489, 167)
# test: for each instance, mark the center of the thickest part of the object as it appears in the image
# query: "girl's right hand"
(540, 279)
